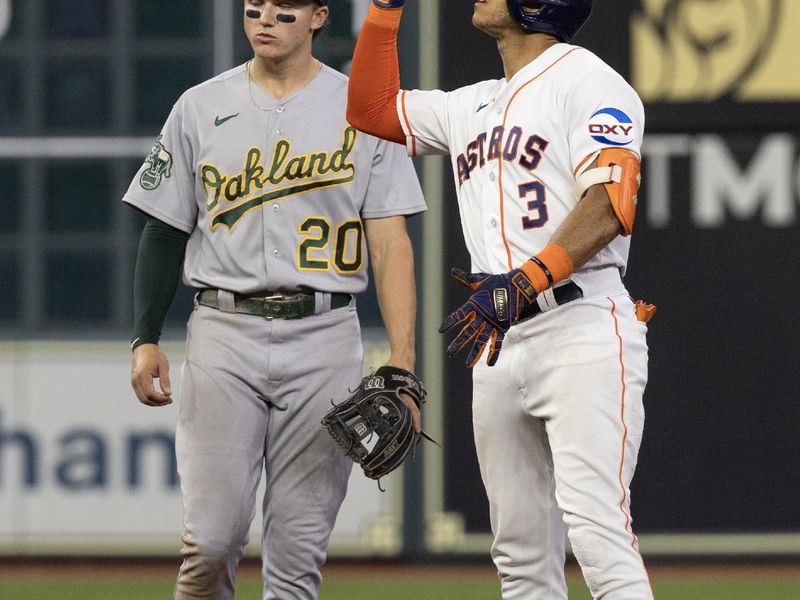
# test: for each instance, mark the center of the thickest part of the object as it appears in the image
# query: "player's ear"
(320, 18)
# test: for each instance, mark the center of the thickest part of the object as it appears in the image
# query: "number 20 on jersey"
(314, 250)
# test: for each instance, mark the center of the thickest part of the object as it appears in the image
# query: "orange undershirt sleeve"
(375, 77)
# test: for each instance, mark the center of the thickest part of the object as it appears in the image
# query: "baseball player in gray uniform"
(273, 197)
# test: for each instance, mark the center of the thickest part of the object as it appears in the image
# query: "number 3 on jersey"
(536, 195)
(348, 246)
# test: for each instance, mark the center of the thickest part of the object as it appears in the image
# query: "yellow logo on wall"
(706, 50)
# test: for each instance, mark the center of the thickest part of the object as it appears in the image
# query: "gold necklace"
(250, 89)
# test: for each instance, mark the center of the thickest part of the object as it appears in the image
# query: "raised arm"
(375, 74)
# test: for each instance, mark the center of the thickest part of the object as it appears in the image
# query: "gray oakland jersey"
(272, 192)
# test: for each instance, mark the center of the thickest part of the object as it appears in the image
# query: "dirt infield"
(114, 567)
(462, 571)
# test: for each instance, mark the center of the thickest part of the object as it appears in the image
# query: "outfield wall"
(86, 469)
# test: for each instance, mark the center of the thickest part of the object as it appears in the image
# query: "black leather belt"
(273, 306)
(562, 294)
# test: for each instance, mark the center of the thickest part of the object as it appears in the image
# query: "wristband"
(548, 267)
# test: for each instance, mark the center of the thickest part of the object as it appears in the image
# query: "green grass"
(695, 589)
(68, 587)
(729, 590)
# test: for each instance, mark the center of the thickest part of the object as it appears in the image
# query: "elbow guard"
(619, 170)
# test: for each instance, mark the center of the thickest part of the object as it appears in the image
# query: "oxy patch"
(611, 126)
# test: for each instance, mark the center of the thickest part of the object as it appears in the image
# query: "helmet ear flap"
(560, 18)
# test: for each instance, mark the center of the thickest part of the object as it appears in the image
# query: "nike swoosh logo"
(481, 107)
(218, 121)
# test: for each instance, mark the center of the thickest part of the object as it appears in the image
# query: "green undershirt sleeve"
(158, 268)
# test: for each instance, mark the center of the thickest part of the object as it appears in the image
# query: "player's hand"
(388, 3)
(494, 306)
(415, 414)
(148, 363)
(395, 361)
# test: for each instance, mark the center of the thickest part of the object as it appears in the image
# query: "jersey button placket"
(280, 129)
(271, 226)
(493, 240)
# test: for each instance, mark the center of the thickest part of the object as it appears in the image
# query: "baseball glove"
(373, 425)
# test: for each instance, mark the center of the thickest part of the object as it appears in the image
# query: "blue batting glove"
(488, 314)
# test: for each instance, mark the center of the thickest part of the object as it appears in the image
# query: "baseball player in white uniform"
(257, 176)
(546, 168)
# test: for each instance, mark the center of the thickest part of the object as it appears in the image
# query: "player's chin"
(480, 16)
(478, 22)
(491, 27)
(268, 51)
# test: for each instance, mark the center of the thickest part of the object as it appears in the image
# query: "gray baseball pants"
(252, 395)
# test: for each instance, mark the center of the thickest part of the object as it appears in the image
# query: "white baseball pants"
(558, 422)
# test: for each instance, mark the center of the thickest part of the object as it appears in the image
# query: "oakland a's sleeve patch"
(159, 165)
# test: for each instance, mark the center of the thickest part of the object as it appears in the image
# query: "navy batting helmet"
(559, 18)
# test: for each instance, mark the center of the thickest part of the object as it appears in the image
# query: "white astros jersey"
(272, 195)
(517, 145)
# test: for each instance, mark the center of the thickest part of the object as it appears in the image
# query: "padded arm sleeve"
(158, 267)
(375, 77)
